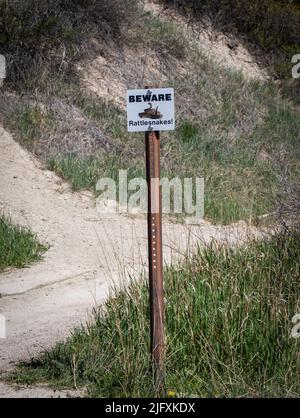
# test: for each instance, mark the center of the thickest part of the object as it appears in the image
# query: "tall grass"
(18, 246)
(228, 324)
(242, 148)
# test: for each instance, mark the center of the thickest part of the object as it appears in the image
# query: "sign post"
(154, 218)
(157, 116)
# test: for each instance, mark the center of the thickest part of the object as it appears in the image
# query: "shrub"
(40, 34)
(228, 324)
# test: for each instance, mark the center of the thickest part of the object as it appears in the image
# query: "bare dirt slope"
(88, 253)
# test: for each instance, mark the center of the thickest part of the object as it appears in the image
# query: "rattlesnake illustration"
(151, 113)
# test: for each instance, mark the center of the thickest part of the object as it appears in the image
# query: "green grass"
(271, 25)
(228, 336)
(240, 135)
(242, 148)
(30, 122)
(18, 246)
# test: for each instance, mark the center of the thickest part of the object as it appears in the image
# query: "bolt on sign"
(150, 110)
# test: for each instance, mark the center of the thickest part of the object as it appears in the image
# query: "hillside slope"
(64, 128)
(43, 302)
(233, 126)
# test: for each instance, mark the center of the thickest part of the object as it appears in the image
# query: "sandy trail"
(88, 253)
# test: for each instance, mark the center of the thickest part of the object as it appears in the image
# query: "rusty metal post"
(155, 254)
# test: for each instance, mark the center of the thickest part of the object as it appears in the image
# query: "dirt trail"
(88, 253)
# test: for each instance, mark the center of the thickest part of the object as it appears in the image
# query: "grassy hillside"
(229, 336)
(240, 135)
(18, 246)
(271, 27)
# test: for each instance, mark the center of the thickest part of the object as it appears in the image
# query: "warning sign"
(150, 110)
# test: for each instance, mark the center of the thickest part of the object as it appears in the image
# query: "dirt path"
(88, 253)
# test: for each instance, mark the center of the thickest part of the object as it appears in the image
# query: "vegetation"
(241, 136)
(44, 36)
(228, 336)
(272, 27)
(18, 246)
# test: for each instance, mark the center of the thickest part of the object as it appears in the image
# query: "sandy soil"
(14, 391)
(88, 253)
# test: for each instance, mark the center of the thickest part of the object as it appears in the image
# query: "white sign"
(150, 110)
